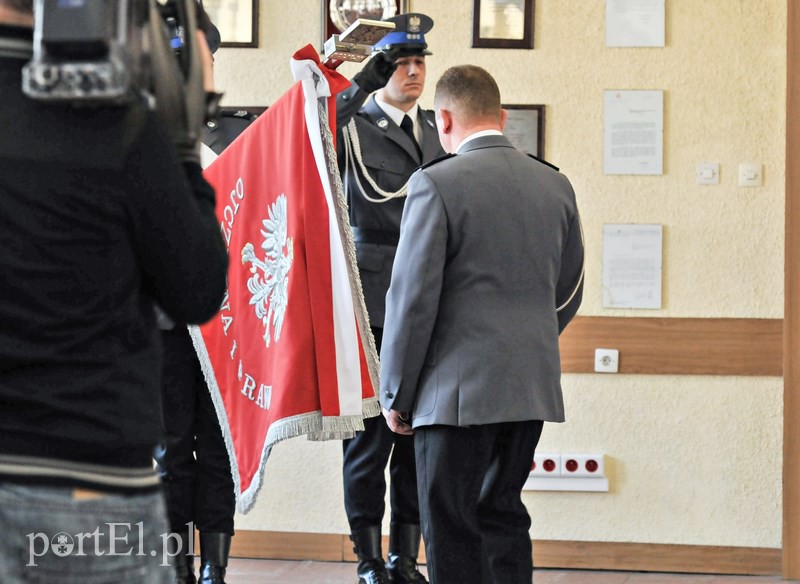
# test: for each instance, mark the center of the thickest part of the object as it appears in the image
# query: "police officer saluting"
(382, 139)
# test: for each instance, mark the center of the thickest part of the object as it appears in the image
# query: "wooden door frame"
(791, 322)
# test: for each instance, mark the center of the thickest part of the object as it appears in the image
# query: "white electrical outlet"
(606, 360)
(567, 472)
(546, 465)
(582, 465)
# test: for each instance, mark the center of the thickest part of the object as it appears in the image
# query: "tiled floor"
(306, 572)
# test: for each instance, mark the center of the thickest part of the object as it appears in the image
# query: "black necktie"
(408, 128)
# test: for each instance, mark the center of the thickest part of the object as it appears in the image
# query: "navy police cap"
(408, 34)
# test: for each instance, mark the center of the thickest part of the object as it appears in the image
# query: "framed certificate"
(633, 131)
(237, 21)
(502, 24)
(525, 128)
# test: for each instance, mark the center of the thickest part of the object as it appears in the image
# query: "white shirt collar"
(396, 114)
(480, 134)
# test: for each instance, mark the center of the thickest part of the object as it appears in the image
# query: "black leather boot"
(183, 558)
(367, 546)
(403, 552)
(214, 550)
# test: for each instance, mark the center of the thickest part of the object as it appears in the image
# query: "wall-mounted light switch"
(750, 174)
(708, 173)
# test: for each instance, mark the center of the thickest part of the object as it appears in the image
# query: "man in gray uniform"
(376, 158)
(489, 271)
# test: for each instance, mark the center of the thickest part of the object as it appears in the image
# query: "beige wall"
(692, 460)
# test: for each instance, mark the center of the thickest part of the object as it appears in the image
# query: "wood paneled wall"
(677, 346)
(546, 554)
(791, 347)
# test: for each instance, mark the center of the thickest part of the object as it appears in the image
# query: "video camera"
(111, 52)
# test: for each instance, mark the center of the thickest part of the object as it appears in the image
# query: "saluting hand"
(376, 73)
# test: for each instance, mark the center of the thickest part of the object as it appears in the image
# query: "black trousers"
(193, 460)
(364, 464)
(475, 526)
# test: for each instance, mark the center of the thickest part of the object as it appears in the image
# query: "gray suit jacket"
(391, 159)
(490, 245)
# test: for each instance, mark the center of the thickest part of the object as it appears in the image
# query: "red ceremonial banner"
(290, 351)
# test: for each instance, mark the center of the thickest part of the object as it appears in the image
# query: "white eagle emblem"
(269, 284)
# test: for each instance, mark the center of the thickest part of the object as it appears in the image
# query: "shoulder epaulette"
(543, 161)
(244, 114)
(436, 160)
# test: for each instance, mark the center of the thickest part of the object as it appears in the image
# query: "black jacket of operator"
(99, 220)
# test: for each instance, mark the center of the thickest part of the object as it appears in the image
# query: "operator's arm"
(175, 230)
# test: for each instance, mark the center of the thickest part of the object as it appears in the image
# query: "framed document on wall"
(502, 24)
(525, 128)
(237, 21)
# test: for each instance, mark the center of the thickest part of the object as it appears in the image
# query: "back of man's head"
(470, 93)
